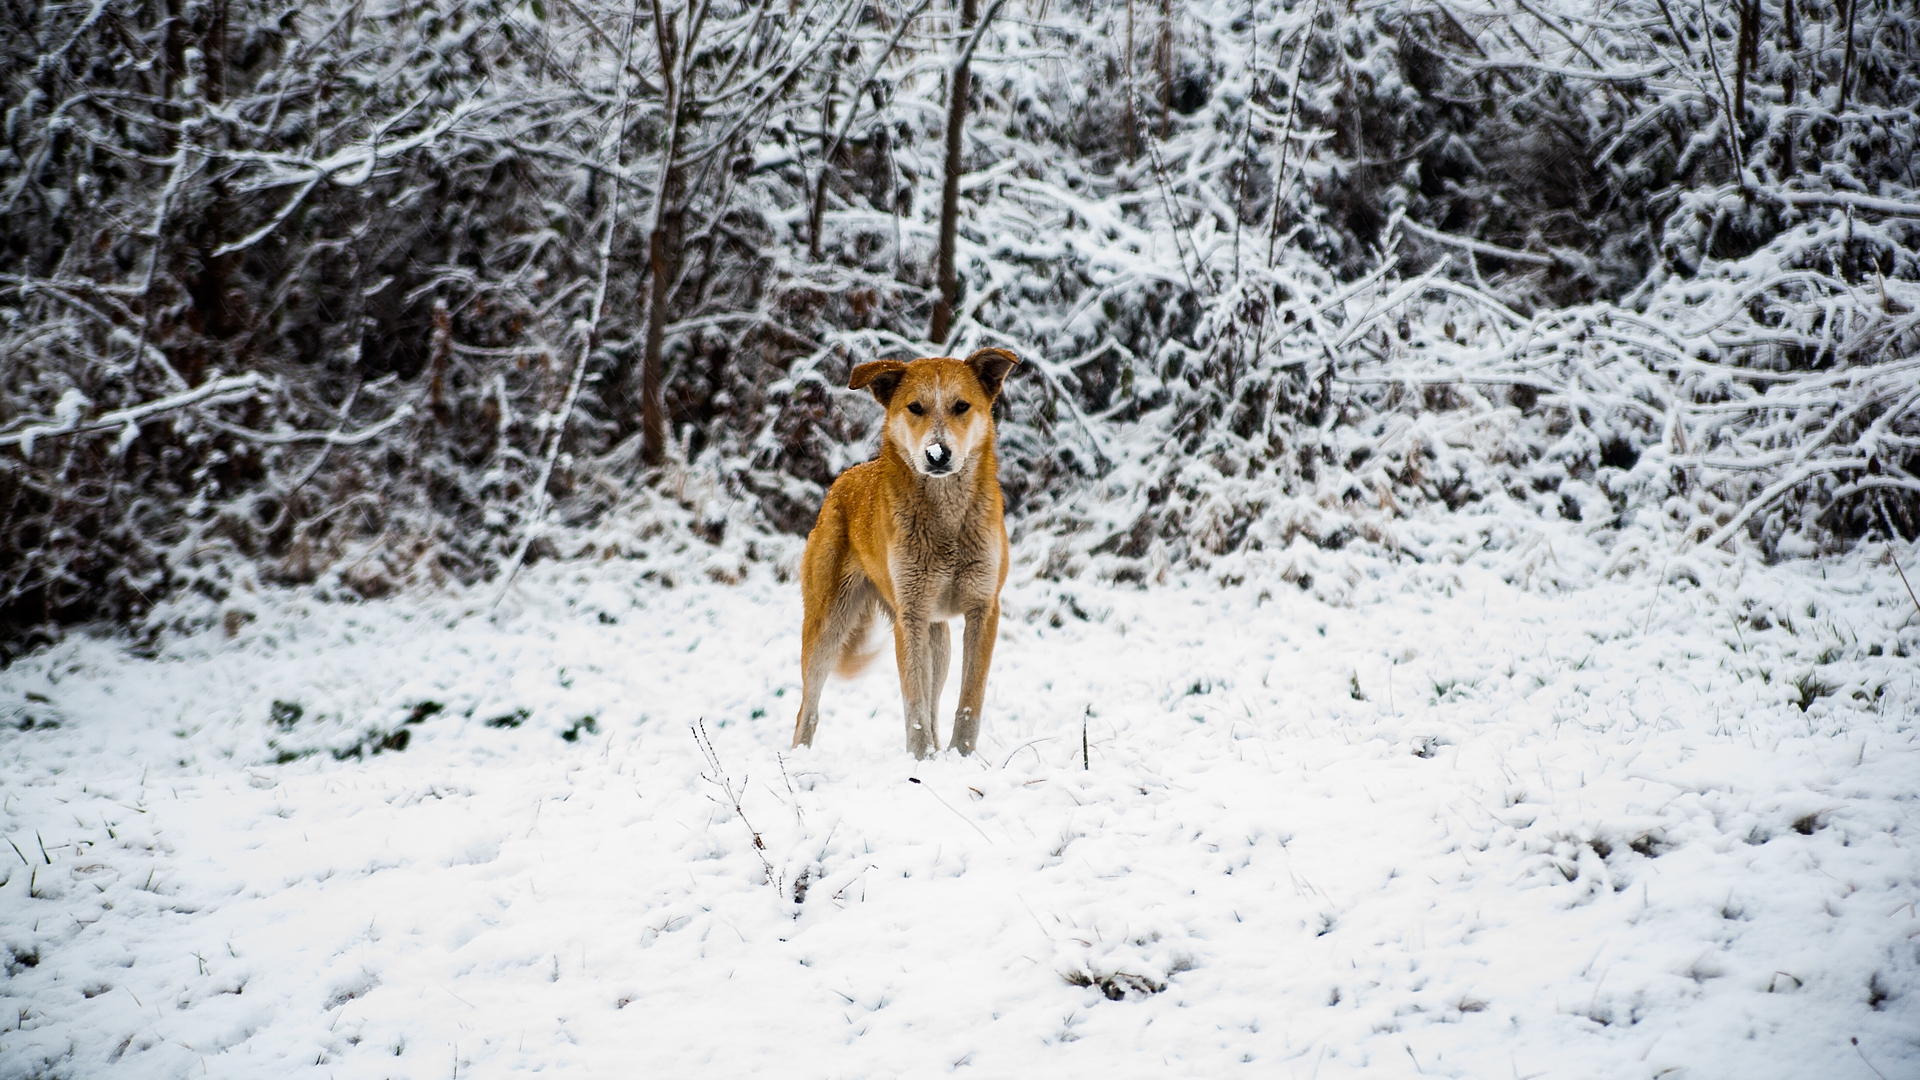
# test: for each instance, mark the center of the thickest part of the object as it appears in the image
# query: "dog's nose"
(939, 458)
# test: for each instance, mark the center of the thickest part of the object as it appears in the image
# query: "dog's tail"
(862, 647)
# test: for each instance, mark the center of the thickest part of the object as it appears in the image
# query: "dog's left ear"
(990, 366)
(881, 377)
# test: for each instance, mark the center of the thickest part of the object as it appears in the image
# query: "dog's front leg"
(983, 625)
(940, 656)
(911, 649)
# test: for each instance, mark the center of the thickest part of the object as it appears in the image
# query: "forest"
(367, 295)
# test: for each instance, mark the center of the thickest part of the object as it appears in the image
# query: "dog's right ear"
(880, 377)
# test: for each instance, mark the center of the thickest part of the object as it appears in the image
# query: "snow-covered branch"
(221, 391)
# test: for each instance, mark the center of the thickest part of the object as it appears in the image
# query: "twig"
(950, 809)
(1479, 247)
(719, 778)
(796, 795)
(853, 110)
(1286, 134)
(1855, 1039)
(1881, 505)
(1024, 745)
(332, 438)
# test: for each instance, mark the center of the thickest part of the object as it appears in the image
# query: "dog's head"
(939, 410)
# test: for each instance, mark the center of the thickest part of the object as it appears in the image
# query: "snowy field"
(1527, 814)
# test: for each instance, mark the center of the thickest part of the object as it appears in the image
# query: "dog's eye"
(961, 406)
(916, 410)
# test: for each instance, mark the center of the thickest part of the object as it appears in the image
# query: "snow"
(1526, 814)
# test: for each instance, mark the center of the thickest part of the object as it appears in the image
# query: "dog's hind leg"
(830, 629)
(840, 604)
(983, 625)
(817, 658)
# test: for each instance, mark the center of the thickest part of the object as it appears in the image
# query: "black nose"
(939, 459)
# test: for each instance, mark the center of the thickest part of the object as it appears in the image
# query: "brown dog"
(917, 533)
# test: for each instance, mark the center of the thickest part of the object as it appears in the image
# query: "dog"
(917, 533)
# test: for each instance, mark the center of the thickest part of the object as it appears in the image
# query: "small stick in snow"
(1891, 534)
(1024, 745)
(950, 809)
(796, 795)
(1855, 1040)
(721, 780)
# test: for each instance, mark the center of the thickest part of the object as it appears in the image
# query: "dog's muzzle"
(939, 459)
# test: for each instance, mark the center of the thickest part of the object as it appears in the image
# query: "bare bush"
(362, 296)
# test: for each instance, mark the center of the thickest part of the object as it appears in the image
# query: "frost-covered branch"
(220, 391)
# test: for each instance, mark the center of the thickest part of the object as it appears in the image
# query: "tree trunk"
(959, 86)
(663, 246)
(663, 265)
(173, 65)
(1133, 123)
(1846, 65)
(1747, 59)
(1163, 59)
(209, 287)
(216, 53)
(829, 147)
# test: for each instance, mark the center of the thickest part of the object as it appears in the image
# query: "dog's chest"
(947, 591)
(944, 569)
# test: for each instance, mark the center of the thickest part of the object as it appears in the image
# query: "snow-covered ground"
(1520, 815)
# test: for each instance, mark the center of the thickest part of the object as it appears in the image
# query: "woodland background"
(370, 294)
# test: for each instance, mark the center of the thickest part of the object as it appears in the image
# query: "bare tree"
(294, 293)
(722, 70)
(959, 84)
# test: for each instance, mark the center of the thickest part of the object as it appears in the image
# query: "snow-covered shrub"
(298, 293)
(364, 295)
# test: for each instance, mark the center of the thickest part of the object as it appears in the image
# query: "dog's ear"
(880, 377)
(990, 366)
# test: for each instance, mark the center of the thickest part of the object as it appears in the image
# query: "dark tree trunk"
(1133, 122)
(1846, 65)
(663, 265)
(216, 53)
(1740, 64)
(1163, 59)
(663, 247)
(959, 86)
(829, 148)
(173, 65)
